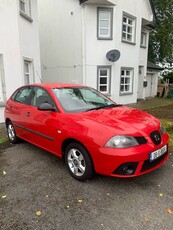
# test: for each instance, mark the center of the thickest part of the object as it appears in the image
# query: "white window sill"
(128, 42)
(26, 16)
(142, 46)
(125, 94)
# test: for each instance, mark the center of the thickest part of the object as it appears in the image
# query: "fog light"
(127, 170)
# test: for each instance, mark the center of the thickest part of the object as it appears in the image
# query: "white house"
(19, 47)
(75, 37)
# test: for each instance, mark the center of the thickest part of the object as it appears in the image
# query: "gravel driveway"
(36, 192)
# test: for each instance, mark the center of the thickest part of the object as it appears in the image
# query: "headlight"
(122, 142)
(162, 129)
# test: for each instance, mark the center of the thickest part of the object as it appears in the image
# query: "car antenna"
(39, 76)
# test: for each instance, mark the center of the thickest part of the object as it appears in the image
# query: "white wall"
(61, 40)
(18, 38)
(29, 41)
(68, 34)
(131, 55)
(9, 44)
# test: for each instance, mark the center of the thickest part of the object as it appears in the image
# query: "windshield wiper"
(103, 107)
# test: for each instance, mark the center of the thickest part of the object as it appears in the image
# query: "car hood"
(121, 120)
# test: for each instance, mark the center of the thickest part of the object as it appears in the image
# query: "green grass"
(168, 125)
(3, 140)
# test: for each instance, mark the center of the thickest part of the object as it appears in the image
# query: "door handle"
(28, 114)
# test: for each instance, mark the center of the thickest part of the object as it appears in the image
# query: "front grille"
(155, 137)
(141, 140)
(148, 165)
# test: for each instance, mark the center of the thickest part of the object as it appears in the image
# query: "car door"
(17, 108)
(42, 125)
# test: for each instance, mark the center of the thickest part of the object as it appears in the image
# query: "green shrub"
(168, 76)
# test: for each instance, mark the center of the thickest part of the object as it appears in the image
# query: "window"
(104, 23)
(40, 96)
(25, 9)
(104, 76)
(128, 29)
(28, 75)
(126, 82)
(2, 82)
(143, 39)
(22, 95)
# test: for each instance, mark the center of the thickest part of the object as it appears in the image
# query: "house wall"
(18, 38)
(131, 55)
(61, 40)
(29, 42)
(71, 52)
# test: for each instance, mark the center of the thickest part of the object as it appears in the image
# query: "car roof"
(56, 85)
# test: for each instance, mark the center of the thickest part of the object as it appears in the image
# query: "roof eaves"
(151, 65)
(82, 1)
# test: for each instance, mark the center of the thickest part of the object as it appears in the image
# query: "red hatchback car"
(88, 130)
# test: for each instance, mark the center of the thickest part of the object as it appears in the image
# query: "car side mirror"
(46, 107)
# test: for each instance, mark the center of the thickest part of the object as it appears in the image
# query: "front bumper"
(129, 162)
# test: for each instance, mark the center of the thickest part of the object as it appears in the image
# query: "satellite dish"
(113, 55)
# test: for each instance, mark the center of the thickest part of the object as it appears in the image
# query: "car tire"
(11, 133)
(79, 162)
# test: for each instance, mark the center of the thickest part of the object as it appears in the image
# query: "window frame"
(108, 84)
(143, 45)
(30, 73)
(26, 12)
(110, 26)
(130, 92)
(133, 27)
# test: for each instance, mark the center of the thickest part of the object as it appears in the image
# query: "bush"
(168, 76)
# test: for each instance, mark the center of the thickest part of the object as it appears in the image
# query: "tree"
(161, 38)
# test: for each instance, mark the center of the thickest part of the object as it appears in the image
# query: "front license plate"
(154, 155)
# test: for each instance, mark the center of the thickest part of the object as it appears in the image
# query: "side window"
(104, 79)
(128, 28)
(25, 9)
(126, 85)
(143, 39)
(104, 23)
(28, 72)
(40, 96)
(23, 95)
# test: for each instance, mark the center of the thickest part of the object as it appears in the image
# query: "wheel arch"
(7, 121)
(72, 140)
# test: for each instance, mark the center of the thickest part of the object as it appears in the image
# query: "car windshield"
(81, 99)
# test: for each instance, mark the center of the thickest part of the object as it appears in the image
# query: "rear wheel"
(78, 162)
(11, 133)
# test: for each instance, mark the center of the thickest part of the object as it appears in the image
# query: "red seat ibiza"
(88, 130)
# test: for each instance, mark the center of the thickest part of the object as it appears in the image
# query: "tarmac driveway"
(36, 192)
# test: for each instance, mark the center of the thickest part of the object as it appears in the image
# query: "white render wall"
(131, 55)
(61, 40)
(19, 38)
(71, 52)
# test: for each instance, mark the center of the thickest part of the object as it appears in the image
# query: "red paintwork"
(93, 129)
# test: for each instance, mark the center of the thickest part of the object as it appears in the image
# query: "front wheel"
(78, 162)
(11, 133)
